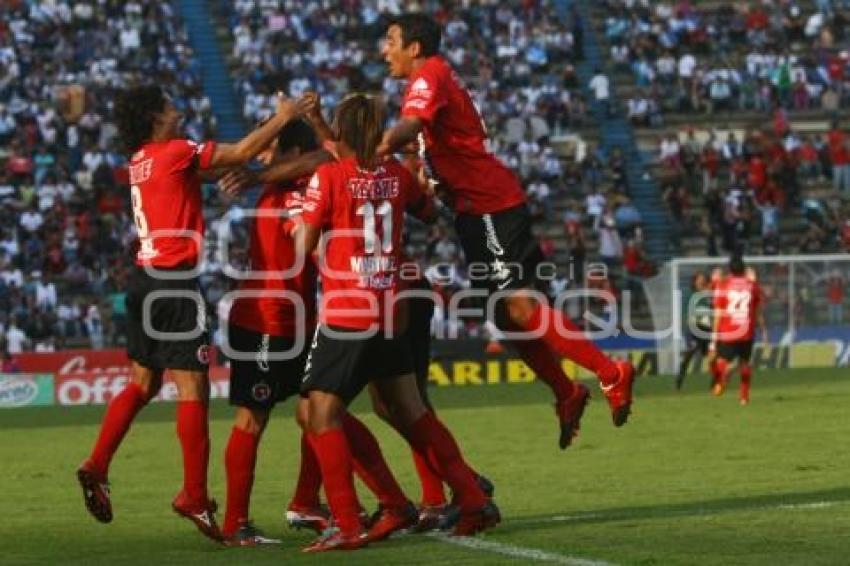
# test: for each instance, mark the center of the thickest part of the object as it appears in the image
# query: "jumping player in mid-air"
(737, 307)
(165, 194)
(492, 220)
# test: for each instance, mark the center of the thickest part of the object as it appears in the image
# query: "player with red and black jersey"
(273, 310)
(165, 310)
(266, 327)
(359, 202)
(737, 304)
(435, 512)
(492, 219)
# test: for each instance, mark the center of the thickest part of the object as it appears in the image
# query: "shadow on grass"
(794, 500)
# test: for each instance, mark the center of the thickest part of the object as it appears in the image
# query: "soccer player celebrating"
(492, 219)
(360, 201)
(737, 305)
(264, 323)
(434, 511)
(166, 312)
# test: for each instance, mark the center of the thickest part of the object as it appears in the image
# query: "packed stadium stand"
(642, 130)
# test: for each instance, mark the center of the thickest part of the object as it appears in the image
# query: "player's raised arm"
(401, 134)
(243, 151)
(235, 181)
(294, 169)
(316, 119)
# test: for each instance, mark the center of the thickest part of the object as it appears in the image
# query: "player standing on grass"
(266, 325)
(360, 201)
(737, 307)
(163, 293)
(492, 219)
(700, 311)
(266, 322)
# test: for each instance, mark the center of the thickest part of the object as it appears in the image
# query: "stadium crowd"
(64, 207)
(776, 70)
(520, 64)
(66, 228)
(756, 56)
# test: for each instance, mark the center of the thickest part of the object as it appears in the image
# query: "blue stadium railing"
(616, 132)
(217, 83)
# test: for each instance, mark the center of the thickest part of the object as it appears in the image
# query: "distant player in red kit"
(492, 219)
(737, 303)
(360, 201)
(167, 209)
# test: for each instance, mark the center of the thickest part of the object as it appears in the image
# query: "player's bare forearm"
(401, 134)
(321, 127)
(291, 170)
(211, 175)
(306, 239)
(315, 117)
(246, 149)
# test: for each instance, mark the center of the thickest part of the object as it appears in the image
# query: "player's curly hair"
(359, 121)
(135, 113)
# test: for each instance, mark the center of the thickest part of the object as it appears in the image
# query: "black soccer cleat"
(95, 492)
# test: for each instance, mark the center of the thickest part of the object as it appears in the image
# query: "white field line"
(518, 552)
(537, 555)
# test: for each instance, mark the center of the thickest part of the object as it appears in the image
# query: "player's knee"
(191, 385)
(518, 311)
(325, 412)
(148, 381)
(302, 414)
(746, 372)
(381, 410)
(251, 421)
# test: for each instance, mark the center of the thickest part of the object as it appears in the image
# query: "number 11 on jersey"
(368, 212)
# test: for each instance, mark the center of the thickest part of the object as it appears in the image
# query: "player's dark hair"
(359, 121)
(297, 133)
(736, 265)
(421, 29)
(135, 113)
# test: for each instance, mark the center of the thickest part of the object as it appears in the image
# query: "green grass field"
(690, 480)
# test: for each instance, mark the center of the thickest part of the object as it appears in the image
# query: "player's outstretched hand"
(288, 106)
(305, 104)
(237, 180)
(314, 104)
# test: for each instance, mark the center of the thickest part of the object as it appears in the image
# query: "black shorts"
(502, 242)
(345, 366)
(260, 383)
(418, 332)
(700, 344)
(738, 350)
(184, 312)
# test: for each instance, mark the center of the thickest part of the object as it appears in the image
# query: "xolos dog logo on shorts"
(261, 392)
(203, 354)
